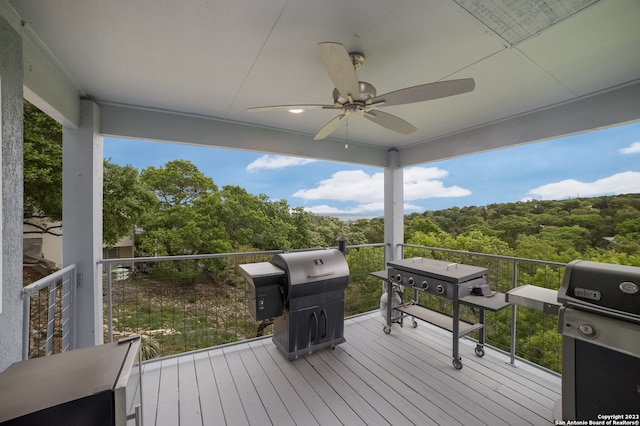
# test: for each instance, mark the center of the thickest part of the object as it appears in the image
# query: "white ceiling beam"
(46, 84)
(605, 109)
(138, 123)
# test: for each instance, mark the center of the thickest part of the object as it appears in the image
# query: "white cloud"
(620, 183)
(421, 183)
(324, 209)
(634, 148)
(367, 190)
(271, 162)
(346, 185)
(362, 208)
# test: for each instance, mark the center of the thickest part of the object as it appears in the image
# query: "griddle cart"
(462, 284)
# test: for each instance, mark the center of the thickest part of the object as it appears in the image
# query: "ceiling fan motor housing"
(367, 92)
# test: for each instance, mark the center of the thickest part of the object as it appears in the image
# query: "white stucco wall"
(12, 188)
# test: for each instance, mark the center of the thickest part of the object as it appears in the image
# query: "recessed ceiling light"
(296, 111)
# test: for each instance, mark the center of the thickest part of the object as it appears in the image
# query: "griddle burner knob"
(399, 278)
(425, 284)
(439, 289)
(410, 281)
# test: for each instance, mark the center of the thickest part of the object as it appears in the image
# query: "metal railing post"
(109, 305)
(68, 283)
(74, 308)
(51, 316)
(514, 314)
(26, 322)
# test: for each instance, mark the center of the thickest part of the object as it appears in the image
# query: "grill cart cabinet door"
(303, 331)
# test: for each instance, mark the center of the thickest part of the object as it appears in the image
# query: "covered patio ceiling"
(186, 71)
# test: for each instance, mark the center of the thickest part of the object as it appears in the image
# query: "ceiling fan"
(358, 99)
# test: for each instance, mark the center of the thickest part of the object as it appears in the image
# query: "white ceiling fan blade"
(391, 122)
(291, 107)
(426, 92)
(330, 127)
(340, 68)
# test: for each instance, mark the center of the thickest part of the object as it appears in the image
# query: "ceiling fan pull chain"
(346, 136)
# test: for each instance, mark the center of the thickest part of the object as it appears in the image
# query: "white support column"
(393, 207)
(11, 182)
(82, 168)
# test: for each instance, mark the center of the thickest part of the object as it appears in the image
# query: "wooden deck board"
(150, 391)
(168, 396)
(231, 404)
(429, 388)
(435, 378)
(274, 407)
(188, 393)
(405, 377)
(281, 401)
(433, 357)
(209, 397)
(522, 399)
(316, 407)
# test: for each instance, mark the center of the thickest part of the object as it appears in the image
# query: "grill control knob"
(399, 278)
(439, 289)
(424, 284)
(410, 281)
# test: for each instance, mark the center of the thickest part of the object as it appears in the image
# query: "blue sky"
(603, 162)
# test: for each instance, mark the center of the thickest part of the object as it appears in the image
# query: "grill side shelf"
(437, 319)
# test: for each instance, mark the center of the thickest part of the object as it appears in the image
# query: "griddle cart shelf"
(437, 319)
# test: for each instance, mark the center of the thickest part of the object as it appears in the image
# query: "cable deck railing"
(184, 303)
(48, 309)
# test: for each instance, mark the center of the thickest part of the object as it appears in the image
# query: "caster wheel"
(387, 329)
(457, 364)
(479, 351)
(414, 323)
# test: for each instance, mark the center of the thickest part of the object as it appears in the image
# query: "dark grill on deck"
(600, 326)
(304, 293)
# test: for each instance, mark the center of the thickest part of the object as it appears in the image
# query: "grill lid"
(602, 287)
(306, 267)
(316, 271)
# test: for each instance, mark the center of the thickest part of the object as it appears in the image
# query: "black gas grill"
(600, 326)
(304, 293)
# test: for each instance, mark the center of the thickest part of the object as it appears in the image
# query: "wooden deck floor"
(405, 377)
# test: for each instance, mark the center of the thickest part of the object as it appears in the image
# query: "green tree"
(420, 224)
(125, 200)
(179, 182)
(512, 225)
(176, 226)
(42, 170)
(253, 221)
